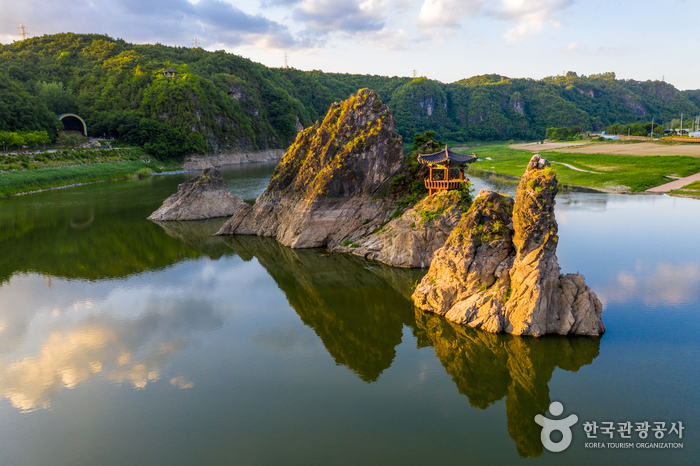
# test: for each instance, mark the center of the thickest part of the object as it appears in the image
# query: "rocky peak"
(498, 269)
(350, 152)
(335, 176)
(534, 211)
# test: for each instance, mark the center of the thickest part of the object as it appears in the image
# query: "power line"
(22, 28)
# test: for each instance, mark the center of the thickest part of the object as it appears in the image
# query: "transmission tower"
(415, 73)
(286, 61)
(196, 42)
(22, 30)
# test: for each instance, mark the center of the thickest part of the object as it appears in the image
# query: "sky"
(445, 40)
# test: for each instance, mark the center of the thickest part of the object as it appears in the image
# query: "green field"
(602, 172)
(22, 181)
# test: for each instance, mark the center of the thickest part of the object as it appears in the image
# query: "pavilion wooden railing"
(434, 185)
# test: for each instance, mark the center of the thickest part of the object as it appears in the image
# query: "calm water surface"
(123, 341)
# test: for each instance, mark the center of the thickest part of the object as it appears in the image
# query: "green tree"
(56, 97)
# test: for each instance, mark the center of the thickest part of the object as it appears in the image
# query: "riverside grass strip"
(692, 189)
(611, 172)
(23, 181)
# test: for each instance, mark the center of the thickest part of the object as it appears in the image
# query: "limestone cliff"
(498, 269)
(202, 197)
(332, 180)
(411, 239)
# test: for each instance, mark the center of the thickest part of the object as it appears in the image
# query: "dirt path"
(678, 184)
(577, 169)
(639, 149)
(537, 147)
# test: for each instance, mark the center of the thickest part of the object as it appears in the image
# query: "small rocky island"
(332, 182)
(498, 269)
(492, 263)
(205, 196)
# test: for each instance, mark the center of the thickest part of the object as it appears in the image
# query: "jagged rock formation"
(202, 197)
(498, 269)
(411, 239)
(332, 179)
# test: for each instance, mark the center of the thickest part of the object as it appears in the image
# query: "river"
(123, 341)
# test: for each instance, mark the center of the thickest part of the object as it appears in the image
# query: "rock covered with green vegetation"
(205, 196)
(411, 239)
(498, 269)
(336, 175)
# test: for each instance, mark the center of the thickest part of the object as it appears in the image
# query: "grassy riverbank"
(27, 172)
(22, 181)
(598, 171)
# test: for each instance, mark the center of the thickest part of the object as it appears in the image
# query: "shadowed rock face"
(200, 198)
(412, 239)
(498, 269)
(487, 367)
(334, 177)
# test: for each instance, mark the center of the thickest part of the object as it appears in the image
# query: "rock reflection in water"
(487, 367)
(198, 236)
(357, 308)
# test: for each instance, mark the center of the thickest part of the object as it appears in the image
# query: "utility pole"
(22, 28)
(286, 61)
(681, 124)
(652, 128)
(196, 42)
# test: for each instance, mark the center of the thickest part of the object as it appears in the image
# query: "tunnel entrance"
(73, 124)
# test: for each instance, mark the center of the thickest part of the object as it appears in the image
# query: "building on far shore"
(607, 136)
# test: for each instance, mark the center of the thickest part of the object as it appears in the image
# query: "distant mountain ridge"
(222, 102)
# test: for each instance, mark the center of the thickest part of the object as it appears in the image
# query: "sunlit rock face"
(333, 178)
(498, 269)
(200, 198)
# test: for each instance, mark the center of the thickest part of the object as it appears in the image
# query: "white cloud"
(446, 15)
(530, 16)
(350, 16)
(164, 21)
(571, 47)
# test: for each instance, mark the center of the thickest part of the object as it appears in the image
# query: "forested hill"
(220, 101)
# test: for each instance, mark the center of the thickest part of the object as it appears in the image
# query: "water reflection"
(86, 241)
(487, 367)
(353, 306)
(660, 283)
(129, 351)
(198, 236)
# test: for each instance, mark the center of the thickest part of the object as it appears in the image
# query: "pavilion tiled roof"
(445, 155)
